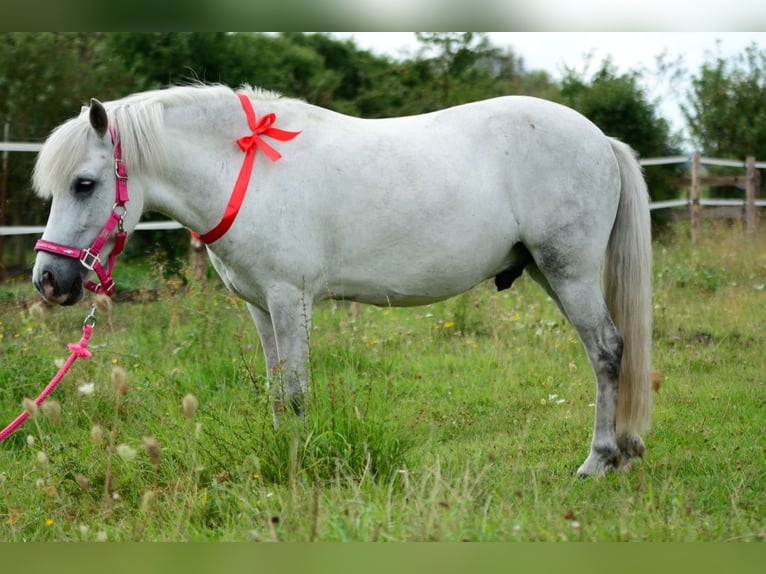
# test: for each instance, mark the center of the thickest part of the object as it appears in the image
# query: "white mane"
(139, 121)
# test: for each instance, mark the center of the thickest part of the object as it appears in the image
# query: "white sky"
(553, 51)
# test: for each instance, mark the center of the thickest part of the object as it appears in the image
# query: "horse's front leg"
(284, 332)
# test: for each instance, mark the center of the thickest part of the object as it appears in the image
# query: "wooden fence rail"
(750, 179)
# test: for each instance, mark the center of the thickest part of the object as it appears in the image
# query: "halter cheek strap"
(89, 258)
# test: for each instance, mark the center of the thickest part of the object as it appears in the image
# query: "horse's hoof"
(599, 461)
(631, 446)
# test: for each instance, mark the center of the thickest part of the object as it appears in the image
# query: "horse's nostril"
(48, 278)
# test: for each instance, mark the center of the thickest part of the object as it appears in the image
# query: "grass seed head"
(126, 452)
(189, 405)
(96, 434)
(30, 407)
(120, 380)
(104, 304)
(147, 500)
(37, 311)
(153, 451)
(52, 411)
(83, 482)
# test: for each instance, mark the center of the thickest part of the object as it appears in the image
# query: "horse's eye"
(83, 185)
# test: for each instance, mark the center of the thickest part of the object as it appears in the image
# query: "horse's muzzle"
(59, 281)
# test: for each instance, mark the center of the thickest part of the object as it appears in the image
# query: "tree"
(44, 79)
(726, 109)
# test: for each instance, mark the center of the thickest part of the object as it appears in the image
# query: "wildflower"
(29, 406)
(42, 458)
(48, 522)
(120, 380)
(189, 405)
(126, 452)
(153, 451)
(52, 411)
(449, 324)
(30, 441)
(96, 434)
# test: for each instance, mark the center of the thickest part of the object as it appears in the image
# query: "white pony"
(401, 211)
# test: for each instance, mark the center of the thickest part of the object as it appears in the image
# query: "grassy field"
(464, 420)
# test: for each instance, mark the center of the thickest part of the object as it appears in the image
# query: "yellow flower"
(449, 324)
(48, 522)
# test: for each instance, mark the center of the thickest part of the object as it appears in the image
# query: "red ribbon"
(248, 144)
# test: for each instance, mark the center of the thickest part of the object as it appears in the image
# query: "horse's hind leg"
(534, 272)
(583, 304)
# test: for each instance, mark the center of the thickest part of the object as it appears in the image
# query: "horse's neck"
(202, 163)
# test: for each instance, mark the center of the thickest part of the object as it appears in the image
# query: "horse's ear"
(98, 119)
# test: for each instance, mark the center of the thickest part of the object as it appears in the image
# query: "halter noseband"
(89, 257)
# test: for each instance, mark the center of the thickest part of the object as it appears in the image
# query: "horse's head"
(76, 168)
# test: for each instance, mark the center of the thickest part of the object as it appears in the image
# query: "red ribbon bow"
(248, 144)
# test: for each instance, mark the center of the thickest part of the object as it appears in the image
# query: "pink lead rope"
(77, 350)
(89, 259)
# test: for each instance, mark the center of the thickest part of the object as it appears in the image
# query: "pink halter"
(89, 257)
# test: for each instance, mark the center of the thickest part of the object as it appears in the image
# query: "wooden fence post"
(694, 205)
(752, 183)
(4, 195)
(198, 253)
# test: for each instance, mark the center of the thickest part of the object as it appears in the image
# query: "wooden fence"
(750, 179)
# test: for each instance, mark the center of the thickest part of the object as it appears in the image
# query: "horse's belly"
(384, 298)
(410, 277)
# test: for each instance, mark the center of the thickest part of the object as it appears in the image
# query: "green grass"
(464, 420)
